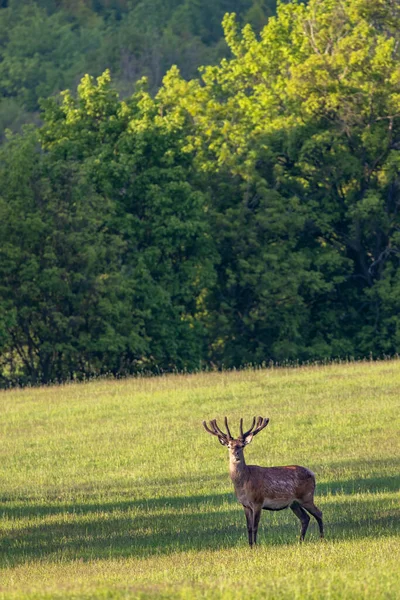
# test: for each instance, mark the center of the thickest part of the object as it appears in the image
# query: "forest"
(177, 193)
(46, 46)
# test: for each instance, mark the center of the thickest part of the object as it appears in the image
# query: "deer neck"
(237, 468)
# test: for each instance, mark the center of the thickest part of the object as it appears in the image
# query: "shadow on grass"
(370, 485)
(378, 479)
(160, 526)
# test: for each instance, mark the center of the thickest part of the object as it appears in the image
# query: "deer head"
(236, 445)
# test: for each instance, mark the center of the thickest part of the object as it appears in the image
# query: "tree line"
(244, 216)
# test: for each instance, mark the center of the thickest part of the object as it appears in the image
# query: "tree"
(108, 252)
(299, 137)
(63, 299)
(40, 53)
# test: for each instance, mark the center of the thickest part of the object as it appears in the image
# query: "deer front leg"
(249, 519)
(253, 519)
(256, 517)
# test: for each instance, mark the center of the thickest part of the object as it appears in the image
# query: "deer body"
(268, 488)
(274, 488)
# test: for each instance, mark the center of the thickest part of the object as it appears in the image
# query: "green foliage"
(133, 155)
(107, 247)
(47, 45)
(62, 295)
(299, 136)
(40, 53)
(245, 216)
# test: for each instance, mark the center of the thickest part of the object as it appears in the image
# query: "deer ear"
(248, 439)
(222, 441)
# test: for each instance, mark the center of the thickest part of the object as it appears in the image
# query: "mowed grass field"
(112, 489)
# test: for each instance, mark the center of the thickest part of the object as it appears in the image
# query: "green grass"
(112, 489)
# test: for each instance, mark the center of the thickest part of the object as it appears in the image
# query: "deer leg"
(303, 516)
(249, 520)
(257, 515)
(317, 514)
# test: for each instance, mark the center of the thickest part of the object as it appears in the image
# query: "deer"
(268, 488)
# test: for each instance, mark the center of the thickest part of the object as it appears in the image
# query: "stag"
(268, 488)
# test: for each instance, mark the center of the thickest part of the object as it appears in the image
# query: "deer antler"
(261, 423)
(227, 428)
(212, 431)
(215, 430)
(243, 435)
(258, 423)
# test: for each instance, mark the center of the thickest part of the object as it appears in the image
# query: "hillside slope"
(111, 489)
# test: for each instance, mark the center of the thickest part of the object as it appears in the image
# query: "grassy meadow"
(112, 489)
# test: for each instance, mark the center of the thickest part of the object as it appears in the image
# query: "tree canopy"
(244, 216)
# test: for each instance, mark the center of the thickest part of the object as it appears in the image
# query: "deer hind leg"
(303, 516)
(317, 514)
